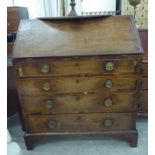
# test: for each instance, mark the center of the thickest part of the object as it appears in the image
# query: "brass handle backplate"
(49, 104)
(109, 66)
(46, 86)
(52, 124)
(108, 123)
(108, 83)
(108, 102)
(20, 71)
(45, 68)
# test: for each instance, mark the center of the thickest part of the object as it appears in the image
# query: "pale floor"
(84, 146)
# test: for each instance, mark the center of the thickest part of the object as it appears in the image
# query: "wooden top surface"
(78, 36)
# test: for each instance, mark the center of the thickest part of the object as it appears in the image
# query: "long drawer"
(98, 102)
(69, 123)
(77, 84)
(50, 67)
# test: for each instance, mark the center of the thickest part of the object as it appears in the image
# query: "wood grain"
(69, 123)
(76, 84)
(63, 60)
(85, 66)
(60, 37)
(78, 103)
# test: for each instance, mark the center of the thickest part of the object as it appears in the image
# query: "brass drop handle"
(49, 104)
(45, 68)
(108, 83)
(109, 66)
(108, 102)
(108, 123)
(46, 86)
(52, 124)
(20, 71)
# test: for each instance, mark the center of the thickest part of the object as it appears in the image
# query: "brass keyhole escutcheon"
(77, 81)
(49, 104)
(108, 102)
(79, 118)
(45, 68)
(77, 64)
(109, 66)
(108, 123)
(52, 124)
(46, 86)
(20, 71)
(108, 84)
(77, 97)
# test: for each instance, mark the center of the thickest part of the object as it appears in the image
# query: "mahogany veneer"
(79, 75)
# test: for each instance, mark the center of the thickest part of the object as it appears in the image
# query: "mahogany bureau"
(79, 76)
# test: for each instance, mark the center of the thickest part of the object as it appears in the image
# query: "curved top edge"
(73, 17)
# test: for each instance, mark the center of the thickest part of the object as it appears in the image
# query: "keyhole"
(79, 117)
(77, 98)
(77, 81)
(77, 65)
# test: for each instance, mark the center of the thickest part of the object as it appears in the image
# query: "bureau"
(79, 76)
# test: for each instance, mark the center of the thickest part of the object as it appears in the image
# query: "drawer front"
(76, 84)
(12, 25)
(98, 102)
(72, 67)
(77, 123)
